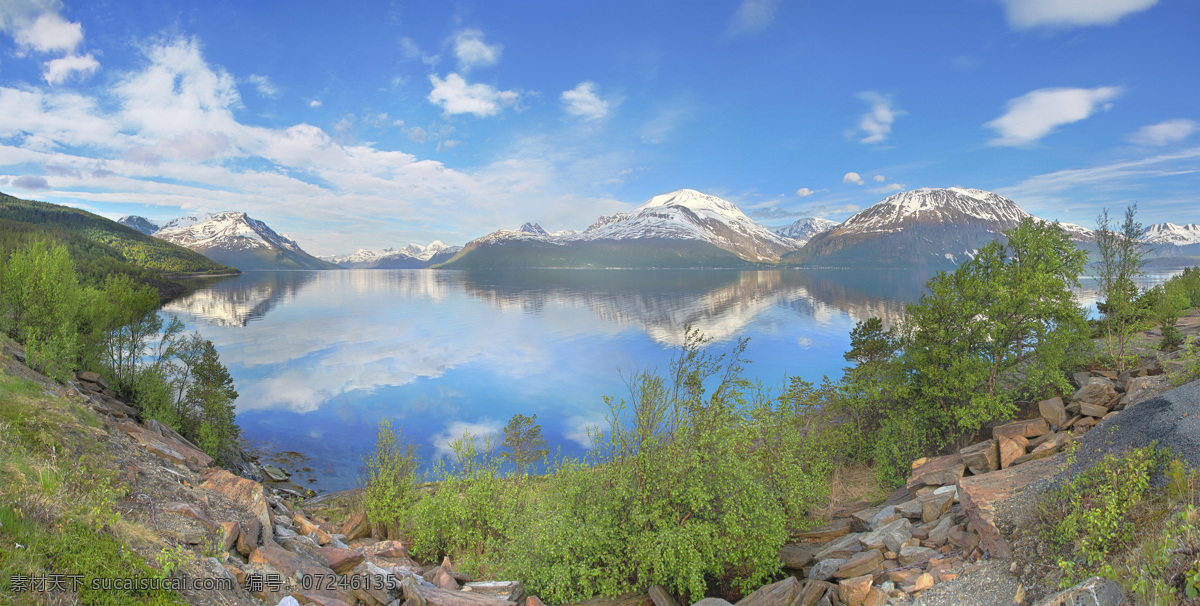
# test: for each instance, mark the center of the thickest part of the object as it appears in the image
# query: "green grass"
(58, 493)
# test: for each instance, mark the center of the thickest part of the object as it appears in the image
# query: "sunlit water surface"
(320, 357)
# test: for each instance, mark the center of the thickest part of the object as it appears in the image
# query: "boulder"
(828, 532)
(230, 531)
(982, 457)
(841, 548)
(247, 539)
(1098, 394)
(940, 533)
(1053, 411)
(825, 569)
(910, 510)
(441, 577)
(782, 592)
(340, 560)
(388, 549)
(168, 448)
(657, 594)
(504, 590)
(860, 520)
(1092, 410)
(191, 511)
(1010, 450)
(796, 557)
(853, 591)
(712, 602)
(813, 592)
(356, 527)
(939, 471)
(886, 516)
(247, 493)
(862, 563)
(889, 537)
(980, 496)
(1081, 378)
(1029, 428)
(915, 555)
(876, 597)
(1095, 591)
(935, 506)
(305, 526)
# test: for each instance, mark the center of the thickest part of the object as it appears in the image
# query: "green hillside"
(97, 244)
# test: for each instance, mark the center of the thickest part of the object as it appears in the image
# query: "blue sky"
(374, 124)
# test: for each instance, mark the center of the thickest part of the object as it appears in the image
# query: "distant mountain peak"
(533, 228)
(803, 230)
(412, 256)
(236, 239)
(140, 224)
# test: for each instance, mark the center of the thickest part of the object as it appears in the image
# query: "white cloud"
(753, 16)
(804, 192)
(472, 51)
(1034, 115)
(854, 178)
(582, 101)
(418, 134)
(455, 96)
(314, 103)
(49, 33)
(448, 144)
(887, 189)
(876, 124)
(264, 85)
(880, 178)
(60, 70)
(411, 51)
(479, 433)
(1165, 133)
(1026, 14)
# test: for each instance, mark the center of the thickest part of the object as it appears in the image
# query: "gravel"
(988, 585)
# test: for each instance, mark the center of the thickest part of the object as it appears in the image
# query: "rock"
(191, 511)
(245, 492)
(288, 601)
(911, 509)
(886, 516)
(1092, 592)
(812, 592)
(860, 520)
(841, 548)
(951, 490)
(356, 527)
(940, 533)
(1107, 374)
(388, 549)
(828, 532)
(1081, 378)
(862, 563)
(797, 556)
(1092, 410)
(247, 540)
(712, 602)
(825, 569)
(876, 597)
(169, 448)
(853, 591)
(504, 590)
(1098, 394)
(230, 531)
(924, 581)
(981, 494)
(1136, 389)
(1010, 450)
(1019, 597)
(307, 527)
(982, 457)
(658, 595)
(782, 592)
(340, 560)
(442, 578)
(935, 506)
(1029, 428)
(916, 555)
(533, 601)
(939, 471)
(1053, 411)
(274, 473)
(286, 561)
(890, 536)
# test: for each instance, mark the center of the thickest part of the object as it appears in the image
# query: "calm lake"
(320, 357)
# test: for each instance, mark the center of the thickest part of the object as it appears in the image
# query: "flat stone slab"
(936, 471)
(980, 496)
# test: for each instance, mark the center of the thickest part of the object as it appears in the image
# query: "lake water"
(320, 357)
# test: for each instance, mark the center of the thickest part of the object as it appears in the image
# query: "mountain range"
(413, 256)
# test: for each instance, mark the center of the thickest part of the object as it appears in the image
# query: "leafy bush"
(390, 479)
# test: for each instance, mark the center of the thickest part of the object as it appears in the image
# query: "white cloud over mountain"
(1036, 114)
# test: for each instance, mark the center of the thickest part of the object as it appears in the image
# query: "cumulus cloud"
(880, 178)
(418, 134)
(314, 103)
(448, 144)
(31, 182)
(1027, 14)
(57, 71)
(753, 16)
(1164, 133)
(1036, 114)
(472, 51)
(582, 101)
(49, 32)
(852, 177)
(410, 51)
(876, 124)
(804, 192)
(264, 85)
(455, 96)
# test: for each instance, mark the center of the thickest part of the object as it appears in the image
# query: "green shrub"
(390, 479)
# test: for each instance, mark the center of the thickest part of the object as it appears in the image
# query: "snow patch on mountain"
(140, 224)
(413, 252)
(230, 230)
(803, 230)
(934, 205)
(1169, 233)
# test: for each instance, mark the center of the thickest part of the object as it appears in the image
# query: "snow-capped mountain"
(137, 223)
(1174, 235)
(413, 256)
(682, 228)
(927, 226)
(235, 239)
(803, 230)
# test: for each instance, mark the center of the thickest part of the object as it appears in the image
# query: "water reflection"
(320, 357)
